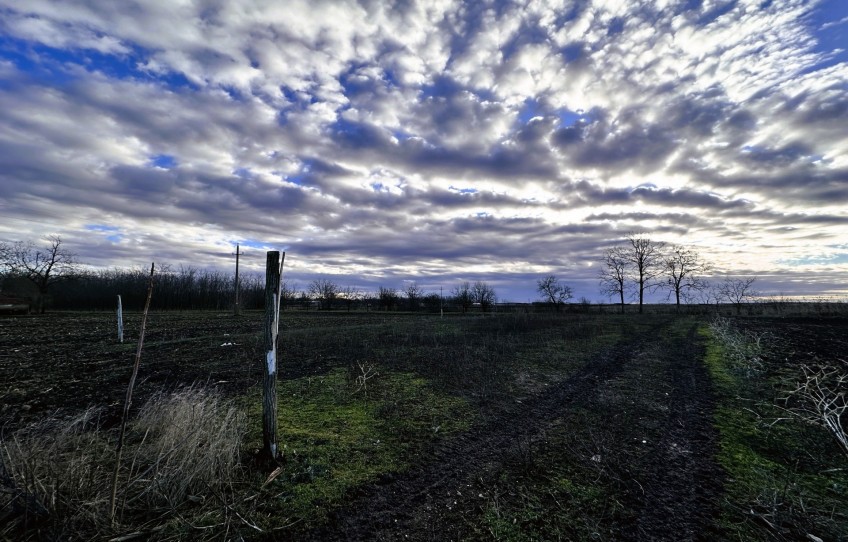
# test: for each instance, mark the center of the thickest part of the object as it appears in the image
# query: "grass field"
(478, 427)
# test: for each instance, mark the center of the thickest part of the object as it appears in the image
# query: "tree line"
(54, 276)
(630, 270)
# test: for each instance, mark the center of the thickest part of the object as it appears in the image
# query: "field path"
(683, 480)
(676, 479)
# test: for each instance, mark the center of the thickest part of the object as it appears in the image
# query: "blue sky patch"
(101, 227)
(531, 109)
(243, 172)
(829, 23)
(50, 63)
(164, 161)
(114, 232)
(573, 51)
(463, 190)
(401, 135)
(299, 180)
(833, 259)
(250, 243)
(570, 118)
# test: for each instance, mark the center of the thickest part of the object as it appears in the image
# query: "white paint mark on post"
(120, 321)
(271, 359)
(271, 355)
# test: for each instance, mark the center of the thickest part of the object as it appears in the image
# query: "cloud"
(433, 138)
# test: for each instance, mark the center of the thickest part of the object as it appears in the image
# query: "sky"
(381, 142)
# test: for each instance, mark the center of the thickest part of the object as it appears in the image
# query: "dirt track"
(656, 455)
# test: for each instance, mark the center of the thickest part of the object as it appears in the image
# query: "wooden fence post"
(273, 282)
(120, 321)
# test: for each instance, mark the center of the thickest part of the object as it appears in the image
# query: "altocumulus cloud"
(436, 141)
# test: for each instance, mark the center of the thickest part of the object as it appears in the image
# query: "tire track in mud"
(682, 482)
(409, 506)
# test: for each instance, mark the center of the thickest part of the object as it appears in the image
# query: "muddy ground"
(653, 442)
(623, 448)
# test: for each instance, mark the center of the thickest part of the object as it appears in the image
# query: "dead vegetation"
(819, 398)
(182, 451)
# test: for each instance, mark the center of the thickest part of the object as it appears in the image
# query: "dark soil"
(667, 489)
(66, 362)
(635, 422)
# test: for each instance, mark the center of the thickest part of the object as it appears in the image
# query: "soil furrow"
(681, 481)
(409, 505)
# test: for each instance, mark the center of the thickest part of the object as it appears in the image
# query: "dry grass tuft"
(55, 477)
(190, 445)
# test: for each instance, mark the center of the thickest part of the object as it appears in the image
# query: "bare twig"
(128, 400)
(367, 371)
(821, 400)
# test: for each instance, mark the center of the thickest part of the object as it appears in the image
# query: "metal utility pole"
(236, 308)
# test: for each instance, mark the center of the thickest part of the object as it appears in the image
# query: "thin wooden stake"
(128, 400)
(120, 321)
(273, 284)
(237, 307)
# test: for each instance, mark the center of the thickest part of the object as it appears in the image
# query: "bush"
(744, 350)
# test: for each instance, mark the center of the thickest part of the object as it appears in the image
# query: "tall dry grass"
(182, 451)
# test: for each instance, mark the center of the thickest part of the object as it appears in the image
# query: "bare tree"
(553, 292)
(325, 291)
(304, 300)
(388, 297)
(414, 294)
(483, 294)
(683, 270)
(646, 263)
(708, 295)
(613, 275)
(351, 295)
(463, 297)
(288, 293)
(432, 302)
(43, 268)
(737, 291)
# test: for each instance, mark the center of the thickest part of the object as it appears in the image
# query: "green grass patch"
(336, 435)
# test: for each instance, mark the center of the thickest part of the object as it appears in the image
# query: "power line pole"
(236, 308)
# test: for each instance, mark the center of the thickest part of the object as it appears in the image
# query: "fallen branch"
(821, 400)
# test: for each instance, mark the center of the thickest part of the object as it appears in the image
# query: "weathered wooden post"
(273, 282)
(237, 308)
(120, 321)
